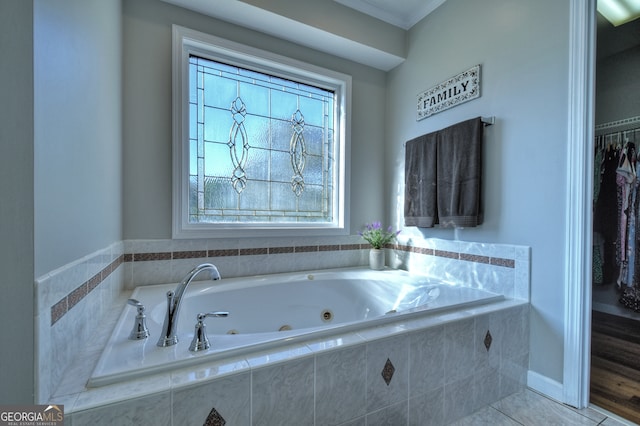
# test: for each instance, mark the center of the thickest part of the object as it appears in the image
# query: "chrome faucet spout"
(169, 334)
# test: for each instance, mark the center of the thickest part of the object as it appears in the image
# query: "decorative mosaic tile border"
(494, 261)
(142, 257)
(59, 309)
(63, 306)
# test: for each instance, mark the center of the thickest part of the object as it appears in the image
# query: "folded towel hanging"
(459, 164)
(420, 181)
(443, 177)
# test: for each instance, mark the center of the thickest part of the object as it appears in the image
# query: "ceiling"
(401, 13)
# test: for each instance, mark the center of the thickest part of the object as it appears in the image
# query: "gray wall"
(16, 207)
(522, 47)
(78, 131)
(617, 86)
(147, 115)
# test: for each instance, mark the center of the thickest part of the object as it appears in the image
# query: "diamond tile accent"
(487, 340)
(387, 371)
(214, 419)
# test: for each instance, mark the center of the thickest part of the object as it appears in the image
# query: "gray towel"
(443, 173)
(420, 207)
(459, 177)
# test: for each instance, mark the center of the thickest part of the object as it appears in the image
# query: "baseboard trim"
(545, 386)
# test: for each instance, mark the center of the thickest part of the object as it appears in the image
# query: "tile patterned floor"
(528, 408)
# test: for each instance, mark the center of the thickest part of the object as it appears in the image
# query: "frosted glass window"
(260, 147)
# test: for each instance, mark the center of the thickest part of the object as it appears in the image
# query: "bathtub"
(272, 310)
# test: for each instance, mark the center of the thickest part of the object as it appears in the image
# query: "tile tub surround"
(78, 294)
(440, 371)
(70, 301)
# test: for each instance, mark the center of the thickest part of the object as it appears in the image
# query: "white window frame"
(187, 42)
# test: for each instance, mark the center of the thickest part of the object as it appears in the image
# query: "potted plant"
(378, 238)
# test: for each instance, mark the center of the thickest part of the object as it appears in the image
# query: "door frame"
(579, 217)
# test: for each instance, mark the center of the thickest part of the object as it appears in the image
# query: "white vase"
(376, 259)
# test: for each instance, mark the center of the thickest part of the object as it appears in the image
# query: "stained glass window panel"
(260, 147)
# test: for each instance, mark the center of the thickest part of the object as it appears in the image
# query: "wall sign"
(456, 90)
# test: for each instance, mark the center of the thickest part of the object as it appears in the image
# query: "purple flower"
(375, 236)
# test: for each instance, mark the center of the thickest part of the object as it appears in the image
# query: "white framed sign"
(456, 90)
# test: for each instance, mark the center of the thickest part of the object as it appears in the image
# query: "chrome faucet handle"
(140, 330)
(200, 341)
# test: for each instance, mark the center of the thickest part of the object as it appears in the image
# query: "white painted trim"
(578, 238)
(545, 385)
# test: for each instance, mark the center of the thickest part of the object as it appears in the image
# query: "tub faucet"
(169, 334)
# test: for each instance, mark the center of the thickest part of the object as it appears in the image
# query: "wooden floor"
(615, 365)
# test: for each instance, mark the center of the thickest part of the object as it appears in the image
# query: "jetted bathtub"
(270, 310)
